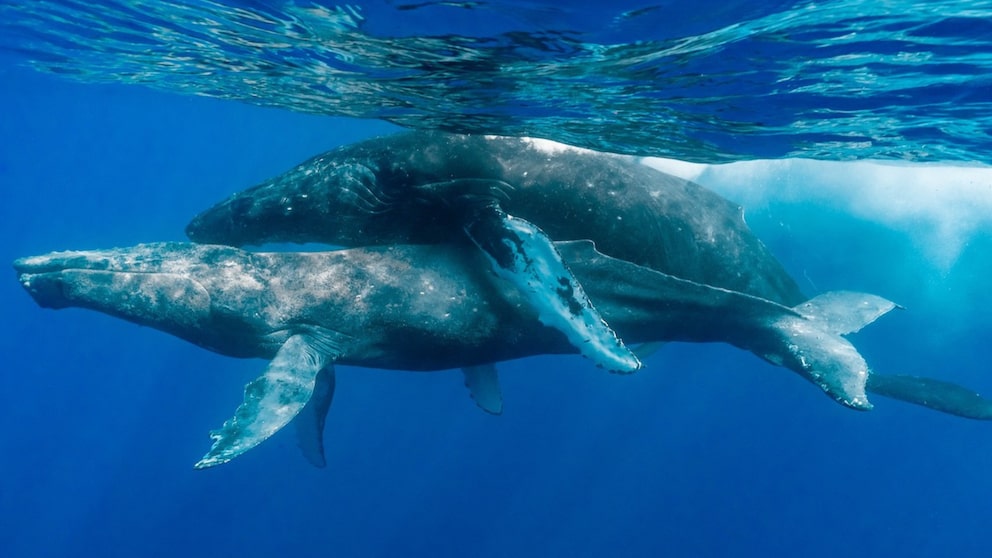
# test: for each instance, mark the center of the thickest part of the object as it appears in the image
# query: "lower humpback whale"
(383, 307)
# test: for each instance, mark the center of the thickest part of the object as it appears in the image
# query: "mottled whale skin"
(430, 307)
(402, 189)
(408, 307)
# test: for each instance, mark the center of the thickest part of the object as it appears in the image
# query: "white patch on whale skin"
(549, 147)
(561, 303)
(552, 147)
(681, 169)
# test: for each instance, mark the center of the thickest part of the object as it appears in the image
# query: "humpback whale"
(510, 197)
(404, 189)
(431, 307)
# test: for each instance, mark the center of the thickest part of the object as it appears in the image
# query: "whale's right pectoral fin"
(482, 382)
(521, 253)
(278, 395)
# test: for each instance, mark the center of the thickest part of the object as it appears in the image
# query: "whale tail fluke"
(831, 315)
(810, 341)
(844, 312)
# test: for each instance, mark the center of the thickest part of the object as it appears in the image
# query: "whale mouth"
(146, 284)
(51, 278)
(44, 277)
(54, 280)
(47, 289)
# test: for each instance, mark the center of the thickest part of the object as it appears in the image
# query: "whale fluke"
(811, 341)
(844, 312)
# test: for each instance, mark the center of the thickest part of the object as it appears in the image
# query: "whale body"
(402, 189)
(511, 197)
(431, 307)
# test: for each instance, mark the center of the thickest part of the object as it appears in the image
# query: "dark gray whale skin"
(400, 189)
(409, 307)
(431, 307)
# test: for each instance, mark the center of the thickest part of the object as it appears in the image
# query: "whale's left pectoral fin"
(482, 382)
(523, 254)
(275, 397)
(310, 422)
(932, 393)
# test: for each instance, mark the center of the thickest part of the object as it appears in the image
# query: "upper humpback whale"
(511, 197)
(403, 189)
(430, 307)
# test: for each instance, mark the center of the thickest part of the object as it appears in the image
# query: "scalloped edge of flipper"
(273, 399)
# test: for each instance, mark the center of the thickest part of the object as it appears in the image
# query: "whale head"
(165, 286)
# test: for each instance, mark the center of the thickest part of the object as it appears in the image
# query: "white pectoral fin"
(522, 253)
(275, 397)
(482, 382)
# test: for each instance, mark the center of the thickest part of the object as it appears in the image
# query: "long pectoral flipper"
(482, 382)
(310, 422)
(274, 398)
(933, 394)
(521, 253)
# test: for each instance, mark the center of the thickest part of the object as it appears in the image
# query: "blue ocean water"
(706, 452)
(710, 81)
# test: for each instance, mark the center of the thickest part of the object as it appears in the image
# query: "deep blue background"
(707, 452)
